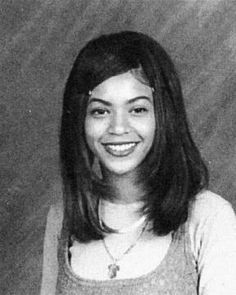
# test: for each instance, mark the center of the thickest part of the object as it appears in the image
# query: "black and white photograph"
(118, 147)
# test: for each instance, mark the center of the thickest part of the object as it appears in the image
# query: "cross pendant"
(112, 270)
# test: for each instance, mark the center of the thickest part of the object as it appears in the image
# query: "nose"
(119, 124)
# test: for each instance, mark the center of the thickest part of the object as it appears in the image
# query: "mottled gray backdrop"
(39, 40)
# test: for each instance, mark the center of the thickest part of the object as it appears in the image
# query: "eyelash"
(99, 112)
(139, 110)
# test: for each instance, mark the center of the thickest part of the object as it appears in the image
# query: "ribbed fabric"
(176, 275)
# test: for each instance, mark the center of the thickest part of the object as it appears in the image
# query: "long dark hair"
(175, 169)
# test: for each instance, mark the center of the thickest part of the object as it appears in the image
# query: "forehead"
(121, 87)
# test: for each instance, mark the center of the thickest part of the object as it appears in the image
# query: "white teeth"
(121, 147)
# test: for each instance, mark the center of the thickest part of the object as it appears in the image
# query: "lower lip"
(124, 153)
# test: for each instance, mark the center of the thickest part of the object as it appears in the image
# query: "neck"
(122, 217)
(124, 187)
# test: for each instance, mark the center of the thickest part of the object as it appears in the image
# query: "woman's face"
(120, 123)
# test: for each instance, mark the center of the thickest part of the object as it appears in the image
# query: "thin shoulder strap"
(50, 262)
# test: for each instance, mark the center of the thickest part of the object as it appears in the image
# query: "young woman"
(136, 217)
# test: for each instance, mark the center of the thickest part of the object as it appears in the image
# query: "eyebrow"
(130, 101)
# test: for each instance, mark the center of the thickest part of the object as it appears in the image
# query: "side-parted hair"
(172, 173)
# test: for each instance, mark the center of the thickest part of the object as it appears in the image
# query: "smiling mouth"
(120, 149)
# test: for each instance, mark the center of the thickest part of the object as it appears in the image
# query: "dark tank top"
(175, 275)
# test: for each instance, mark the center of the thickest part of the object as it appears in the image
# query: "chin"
(120, 169)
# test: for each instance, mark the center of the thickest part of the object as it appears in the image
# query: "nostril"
(118, 129)
(119, 125)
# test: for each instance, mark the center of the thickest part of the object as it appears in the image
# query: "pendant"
(113, 268)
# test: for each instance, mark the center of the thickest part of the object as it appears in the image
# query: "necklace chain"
(114, 267)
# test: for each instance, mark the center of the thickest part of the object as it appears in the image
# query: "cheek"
(90, 133)
(150, 134)
(147, 129)
(152, 125)
(93, 131)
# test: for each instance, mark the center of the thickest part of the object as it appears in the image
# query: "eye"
(139, 110)
(98, 112)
